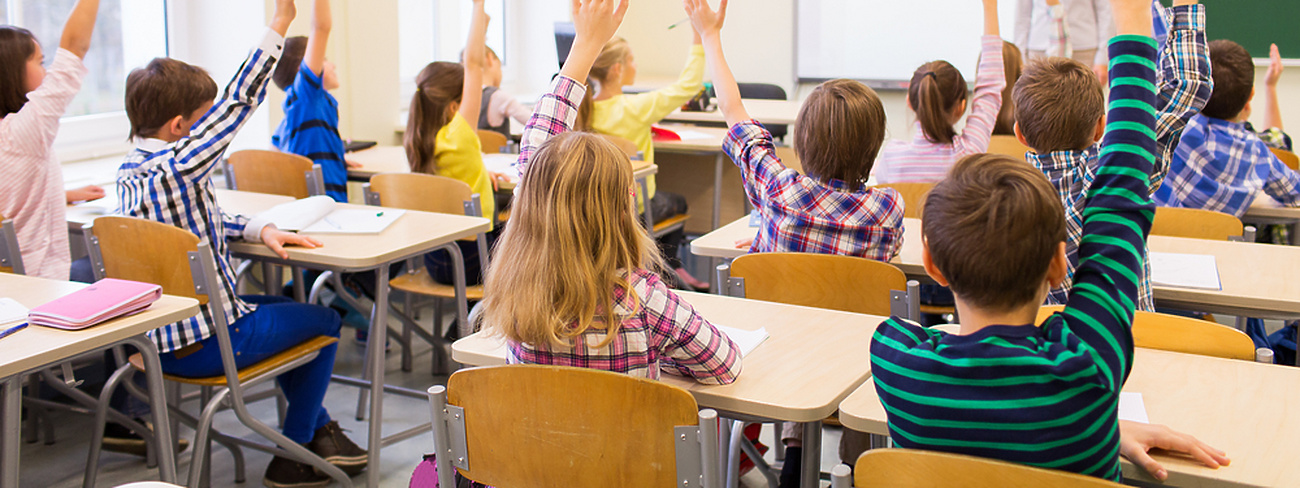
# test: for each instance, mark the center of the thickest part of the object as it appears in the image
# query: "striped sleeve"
(555, 114)
(196, 157)
(1118, 214)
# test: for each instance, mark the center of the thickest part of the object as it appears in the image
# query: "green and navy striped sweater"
(1044, 396)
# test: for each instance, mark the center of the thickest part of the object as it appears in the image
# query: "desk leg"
(378, 335)
(166, 451)
(810, 471)
(12, 409)
(717, 189)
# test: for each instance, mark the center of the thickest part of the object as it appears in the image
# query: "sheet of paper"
(11, 311)
(299, 214)
(1132, 408)
(355, 221)
(1199, 271)
(746, 340)
(692, 135)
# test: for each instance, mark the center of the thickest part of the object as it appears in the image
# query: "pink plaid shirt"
(802, 214)
(659, 330)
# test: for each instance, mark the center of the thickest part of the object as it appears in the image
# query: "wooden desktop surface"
(1241, 407)
(1254, 276)
(35, 346)
(392, 159)
(811, 361)
(769, 112)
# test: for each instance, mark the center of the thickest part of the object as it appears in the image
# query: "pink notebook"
(97, 303)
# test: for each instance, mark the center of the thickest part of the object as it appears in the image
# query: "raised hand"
(285, 11)
(1132, 17)
(705, 20)
(1274, 66)
(594, 23)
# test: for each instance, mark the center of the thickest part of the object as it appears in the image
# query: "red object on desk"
(103, 301)
(661, 134)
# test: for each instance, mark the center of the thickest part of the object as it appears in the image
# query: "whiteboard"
(884, 41)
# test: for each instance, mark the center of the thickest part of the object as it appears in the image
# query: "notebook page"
(1199, 271)
(299, 214)
(371, 220)
(11, 311)
(1132, 408)
(746, 340)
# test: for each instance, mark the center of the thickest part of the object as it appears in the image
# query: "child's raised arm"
(321, 23)
(471, 95)
(1272, 110)
(991, 18)
(285, 11)
(79, 28)
(708, 25)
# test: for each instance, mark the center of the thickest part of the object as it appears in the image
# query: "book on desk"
(322, 215)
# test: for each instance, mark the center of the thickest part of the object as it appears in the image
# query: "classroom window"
(435, 30)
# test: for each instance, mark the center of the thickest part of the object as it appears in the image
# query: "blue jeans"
(276, 325)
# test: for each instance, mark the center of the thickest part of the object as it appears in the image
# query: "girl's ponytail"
(934, 93)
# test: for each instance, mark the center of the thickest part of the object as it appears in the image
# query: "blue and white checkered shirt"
(169, 183)
(1185, 85)
(1222, 166)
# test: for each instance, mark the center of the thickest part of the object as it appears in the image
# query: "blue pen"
(5, 333)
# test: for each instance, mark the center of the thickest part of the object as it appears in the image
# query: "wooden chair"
(492, 141)
(523, 425)
(429, 193)
(658, 225)
(1199, 224)
(913, 197)
(1290, 159)
(11, 257)
(898, 468)
(1008, 145)
(1182, 334)
(153, 252)
(845, 283)
(274, 172)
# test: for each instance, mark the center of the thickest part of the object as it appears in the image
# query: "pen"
(7, 332)
(680, 22)
(380, 214)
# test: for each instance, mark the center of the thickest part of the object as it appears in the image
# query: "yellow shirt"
(459, 155)
(630, 116)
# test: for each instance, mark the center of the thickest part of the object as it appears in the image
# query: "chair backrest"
(1182, 334)
(845, 283)
(908, 467)
(135, 249)
(274, 172)
(1008, 145)
(766, 91)
(11, 257)
(628, 147)
(913, 197)
(1195, 223)
(492, 141)
(524, 426)
(422, 192)
(1290, 159)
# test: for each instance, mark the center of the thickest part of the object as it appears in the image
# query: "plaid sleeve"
(1184, 81)
(234, 224)
(1281, 183)
(554, 115)
(750, 146)
(690, 345)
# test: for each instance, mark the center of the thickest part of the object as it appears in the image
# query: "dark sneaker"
(118, 438)
(330, 444)
(287, 473)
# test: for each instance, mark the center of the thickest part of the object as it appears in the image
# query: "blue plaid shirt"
(1222, 166)
(169, 183)
(1185, 85)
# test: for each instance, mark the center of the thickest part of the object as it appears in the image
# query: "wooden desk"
(392, 159)
(709, 142)
(1242, 407)
(35, 348)
(813, 358)
(1255, 277)
(768, 112)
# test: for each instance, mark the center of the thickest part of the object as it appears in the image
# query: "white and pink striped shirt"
(31, 181)
(924, 161)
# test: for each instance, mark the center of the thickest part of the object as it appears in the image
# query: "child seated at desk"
(1221, 164)
(498, 107)
(1063, 131)
(994, 232)
(180, 136)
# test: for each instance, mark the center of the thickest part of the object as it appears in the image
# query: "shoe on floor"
(330, 443)
(287, 473)
(118, 438)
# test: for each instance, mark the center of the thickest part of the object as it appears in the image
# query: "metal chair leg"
(408, 357)
(733, 454)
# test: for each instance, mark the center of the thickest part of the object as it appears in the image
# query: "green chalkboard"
(1255, 24)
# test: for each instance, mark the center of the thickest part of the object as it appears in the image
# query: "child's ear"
(928, 262)
(1058, 267)
(1020, 136)
(178, 127)
(1101, 129)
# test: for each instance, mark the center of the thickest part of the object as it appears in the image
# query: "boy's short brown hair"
(839, 132)
(1234, 79)
(1058, 102)
(286, 70)
(992, 227)
(162, 90)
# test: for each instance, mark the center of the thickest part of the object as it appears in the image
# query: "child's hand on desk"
(276, 239)
(1136, 438)
(352, 164)
(85, 194)
(745, 243)
(497, 178)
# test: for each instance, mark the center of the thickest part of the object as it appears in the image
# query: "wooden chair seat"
(909, 467)
(1288, 158)
(670, 223)
(492, 141)
(913, 196)
(421, 283)
(1182, 334)
(311, 346)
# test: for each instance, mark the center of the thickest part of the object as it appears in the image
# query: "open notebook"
(746, 340)
(322, 215)
(1200, 271)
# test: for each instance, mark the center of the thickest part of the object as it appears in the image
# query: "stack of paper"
(321, 215)
(1199, 271)
(11, 311)
(1132, 408)
(746, 340)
